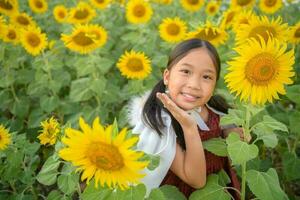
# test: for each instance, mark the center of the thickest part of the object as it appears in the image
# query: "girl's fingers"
(168, 103)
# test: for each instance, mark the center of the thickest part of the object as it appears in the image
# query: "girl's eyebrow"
(192, 66)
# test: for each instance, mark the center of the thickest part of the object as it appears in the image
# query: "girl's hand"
(184, 119)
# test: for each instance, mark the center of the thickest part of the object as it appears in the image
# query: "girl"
(178, 114)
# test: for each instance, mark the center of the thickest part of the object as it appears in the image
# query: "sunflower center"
(270, 3)
(261, 69)
(62, 14)
(297, 33)
(263, 31)
(135, 65)
(12, 34)
(23, 20)
(139, 11)
(173, 29)
(209, 35)
(105, 156)
(81, 14)
(82, 40)
(100, 1)
(5, 5)
(243, 2)
(39, 4)
(193, 2)
(230, 17)
(212, 9)
(33, 40)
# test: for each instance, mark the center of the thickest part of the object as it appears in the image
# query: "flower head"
(50, 131)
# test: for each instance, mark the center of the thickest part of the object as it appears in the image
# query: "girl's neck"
(204, 113)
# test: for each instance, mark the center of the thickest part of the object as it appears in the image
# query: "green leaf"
(20, 108)
(156, 194)
(166, 192)
(211, 191)
(35, 118)
(93, 193)
(234, 116)
(224, 179)
(293, 93)
(273, 124)
(67, 183)
(265, 185)
(48, 173)
(130, 36)
(291, 165)
(104, 64)
(294, 124)
(80, 90)
(54, 195)
(240, 152)
(216, 146)
(133, 193)
(98, 86)
(49, 104)
(153, 160)
(270, 140)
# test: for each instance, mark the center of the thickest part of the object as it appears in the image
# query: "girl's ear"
(166, 76)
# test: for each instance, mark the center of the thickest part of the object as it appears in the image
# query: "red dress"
(214, 163)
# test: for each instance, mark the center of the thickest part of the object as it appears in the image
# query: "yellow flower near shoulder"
(192, 5)
(134, 65)
(5, 138)
(85, 38)
(262, 27)
(9, 7)
(270, 6)
(60, 13)
(295, 34)
(209, 32)
(172, 30)
(138, 11)
(22, 20)
(229, 17)
(110, 160)
(33, 40)
(38, 6)
(11, 34)
(212, 8)
(101, 4)
(50, 131)
(243, 3)
(81, 14)
(260, 71)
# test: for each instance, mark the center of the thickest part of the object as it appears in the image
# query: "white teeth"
(189, 96)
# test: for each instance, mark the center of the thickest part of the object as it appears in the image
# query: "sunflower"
(50, 131)
(38, 6)
(9, 7)
(101, 4)
(60, 13)
(11, 34)
(213, 34)
(295, 34)
(138, 11)
(2, 26)
(172, 30)
(260, 75)
(33, 40)
(263, 27)
(81, 14)
(243, 3)
(22, 20)
(109, 159)
(270, 6)
(192, 5)
(229, 17)
(212, 8)
(166, 2)
(85, 38)
(134, 65)
(5, 139)
(243, 18)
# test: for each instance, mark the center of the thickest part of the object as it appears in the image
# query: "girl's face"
(192, 80)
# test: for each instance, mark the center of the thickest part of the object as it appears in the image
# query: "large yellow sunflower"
(109, 159)
(192, 5)
(243, 3)
(9, 7)
(5, 139)
(81, 14)
(138, 11)
(172, 30)
(11, 34)
(101, 4)
(134, 65)
(243, 18)
(212, 8)
(295, 34)
(38, 6)
(60, 13)
(213, 34)
(33, 40)
(263, 27)
(85, 38)
(50, 131)
(259, 75)
(22, 20)
(270, 6)
(229, 17)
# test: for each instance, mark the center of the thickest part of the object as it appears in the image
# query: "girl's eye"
(207, 77)
(185, 71)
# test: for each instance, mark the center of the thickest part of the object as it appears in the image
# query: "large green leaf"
(291, 164)
(48, 104)
(293, 92)
(166, 192)
(216, 146)
(133, 193)
(234, 116)
(294, 122)
(265, 185)
(48, 173)
(95, 193)
(80, 90)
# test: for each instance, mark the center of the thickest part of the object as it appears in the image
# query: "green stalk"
(243, 193)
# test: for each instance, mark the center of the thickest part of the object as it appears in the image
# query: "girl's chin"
(187, 107)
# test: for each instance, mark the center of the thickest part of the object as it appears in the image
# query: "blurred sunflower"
(60, 13)
(138, 11)
(38, 6)
(229, 17)
(2, 26)
(166, 2)
(192, 5)
(22, 20)
(295, 34)
(110, 160)
(242, 3)
(172, 30)
(33, 40)
(263, 27)
(101, 4)
(260, 75)
(5, 138)
(134, 65)
(213, 34)
(243, 18)
(9, 7)
(11, 34)
(81, 14)
(50, 131)
(85, 38)
(212, 8)
(270, 6)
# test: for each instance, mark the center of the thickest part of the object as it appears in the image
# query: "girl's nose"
(194, 83)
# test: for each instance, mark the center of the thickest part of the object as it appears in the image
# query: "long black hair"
(151, 114)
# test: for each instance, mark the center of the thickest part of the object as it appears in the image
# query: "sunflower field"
(68, 70)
